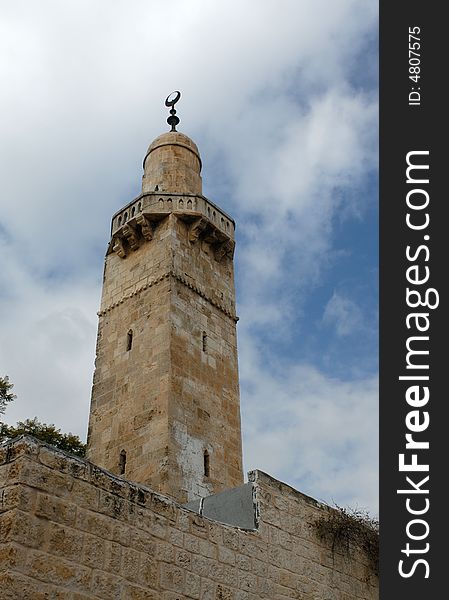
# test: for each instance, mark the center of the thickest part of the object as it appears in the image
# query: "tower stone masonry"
(165, 405)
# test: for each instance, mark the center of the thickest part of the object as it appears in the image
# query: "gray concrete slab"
(233, 507)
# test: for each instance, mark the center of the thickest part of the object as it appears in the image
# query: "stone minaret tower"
(165, 407)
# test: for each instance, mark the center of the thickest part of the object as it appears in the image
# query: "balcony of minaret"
(134, 224)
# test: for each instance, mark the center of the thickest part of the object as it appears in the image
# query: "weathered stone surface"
(52, 545)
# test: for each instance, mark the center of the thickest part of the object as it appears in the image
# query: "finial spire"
(171, 100)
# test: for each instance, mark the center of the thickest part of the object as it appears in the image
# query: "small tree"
(5, 393)
(46, 433)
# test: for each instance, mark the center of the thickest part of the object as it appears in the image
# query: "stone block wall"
(72, 531)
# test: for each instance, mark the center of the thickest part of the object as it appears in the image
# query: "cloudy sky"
(281, 98)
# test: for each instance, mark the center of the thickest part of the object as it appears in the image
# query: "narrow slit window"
(122, 462)
(204, 341)
(129, 340)
(206, 464)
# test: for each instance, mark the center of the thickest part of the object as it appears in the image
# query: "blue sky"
(281, 98)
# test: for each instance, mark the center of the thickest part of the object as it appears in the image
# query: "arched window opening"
(129, 340)
(119, 221)
(122, 462)
(206, 458)
(204, 341)
(133, 211)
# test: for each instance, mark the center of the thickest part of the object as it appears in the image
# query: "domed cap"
(173, 165)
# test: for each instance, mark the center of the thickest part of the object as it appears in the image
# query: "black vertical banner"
(414, 357)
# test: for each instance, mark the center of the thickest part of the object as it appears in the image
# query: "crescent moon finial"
(171, 100)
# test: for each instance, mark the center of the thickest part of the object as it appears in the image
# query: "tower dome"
(172, 164)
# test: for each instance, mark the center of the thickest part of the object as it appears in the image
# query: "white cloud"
(343, 314)
(317, 433)
(292, 188)
(47, 345)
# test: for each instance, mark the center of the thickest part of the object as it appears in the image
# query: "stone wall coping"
(27, 445)
(81, 468)
(260, 477)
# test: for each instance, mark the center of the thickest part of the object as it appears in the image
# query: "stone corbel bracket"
(224, 248)
(201, 228)
(196, 228)
(146, 227)
(117, 245)
(134, 233)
